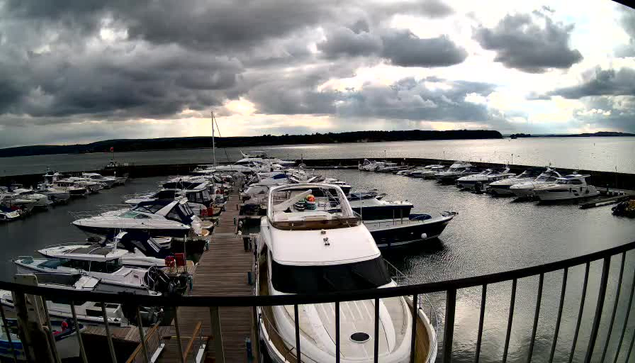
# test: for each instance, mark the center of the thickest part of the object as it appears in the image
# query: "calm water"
(597, 153)
(488, 235)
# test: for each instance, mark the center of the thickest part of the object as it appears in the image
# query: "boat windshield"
(320, 279)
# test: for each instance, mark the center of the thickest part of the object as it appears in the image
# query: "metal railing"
(416, 292)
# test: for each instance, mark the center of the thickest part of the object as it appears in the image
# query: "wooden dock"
(221, 271)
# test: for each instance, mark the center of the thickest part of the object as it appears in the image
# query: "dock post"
(219, 353)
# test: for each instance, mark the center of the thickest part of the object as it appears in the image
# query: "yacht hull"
(371, 213)
(550, 195)
(154, 232)
(392, 234)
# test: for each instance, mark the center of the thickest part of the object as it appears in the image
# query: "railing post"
(536, 316)
(82, 350)
(448, 336)
(510, 319)
(376, 331)
(582, 299)
(337, 332)
(598, 308)
(219, 353)
(563, 291)
(477, 355)
(415, 312)
(8, 333)
(111, 346)
(142, 336)
(179, 344)
(615, 305)
(296, 314)
(50, 331)
(628, 312)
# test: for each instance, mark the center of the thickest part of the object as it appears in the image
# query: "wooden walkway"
(221, 271)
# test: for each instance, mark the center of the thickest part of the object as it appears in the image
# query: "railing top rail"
(251, 300)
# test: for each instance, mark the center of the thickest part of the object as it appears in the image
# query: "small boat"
(502, 187)
(157, 218)
(7, 214)
(374, 209)
(427, 172)
(55, 195)
(74, 190)
(368, 165)
(527, 189)
(570, 187)
(100, 262)
(91, 186)
(87, 312)
(412, 231)
(64, 333)
(107, 181)
(327, 249)
(198, 197)
(479, 182)
(39, 200)
(455, 171)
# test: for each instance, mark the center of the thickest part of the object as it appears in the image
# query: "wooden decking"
(221, 271)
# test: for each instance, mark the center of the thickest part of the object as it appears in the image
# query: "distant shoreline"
(128, 145)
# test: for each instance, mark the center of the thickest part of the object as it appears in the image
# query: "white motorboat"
(157, 218)
(7, 214)
(260, 157)
(87, 312)
(199, 199)
(74, 189)
(502, 187)
(457, 170)
(107, 181)
(427, 172)
(573, 186)
(308, 245)
(39, 200)
(368, 165)
(13, 202)
(92, 186)
(55, 195)
(100, 262)
(137, 249)
(527, 189)
(479, 182)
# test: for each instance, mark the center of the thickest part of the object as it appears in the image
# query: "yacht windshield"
(316, 279)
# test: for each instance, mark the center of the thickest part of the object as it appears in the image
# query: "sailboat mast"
(213, 140)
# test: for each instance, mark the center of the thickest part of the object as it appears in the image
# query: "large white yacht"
(501, 187)
(573, 186)
(107, 181)
(455, 171)
(157, 218)
(39, 200)
(309, 245)
(527, 189)
(478, 182)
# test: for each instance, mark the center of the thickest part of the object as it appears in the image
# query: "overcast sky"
(85, 70)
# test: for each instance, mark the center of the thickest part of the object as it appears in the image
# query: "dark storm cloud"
(609, 113)
(628, 24)
(405, 49)
(414, 100)
(346, 42)
(401, 48)
(520, 42)
(602, 83)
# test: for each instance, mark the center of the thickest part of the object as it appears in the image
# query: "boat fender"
(424, 235)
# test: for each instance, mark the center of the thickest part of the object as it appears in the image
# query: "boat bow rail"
(416, 292)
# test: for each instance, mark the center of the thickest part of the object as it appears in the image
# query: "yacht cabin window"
(319, 279)
(94, 266)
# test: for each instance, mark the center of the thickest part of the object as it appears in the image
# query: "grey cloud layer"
(602, 83)
(520, 42)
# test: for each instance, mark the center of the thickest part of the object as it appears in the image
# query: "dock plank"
(221, 271)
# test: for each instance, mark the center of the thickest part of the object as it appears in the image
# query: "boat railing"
(602, 326)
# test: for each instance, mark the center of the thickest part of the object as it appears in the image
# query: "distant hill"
(122, 145)
(587, 134)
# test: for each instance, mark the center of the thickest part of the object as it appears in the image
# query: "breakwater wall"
(598, 178)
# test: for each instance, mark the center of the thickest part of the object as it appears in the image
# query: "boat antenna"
(213, 140)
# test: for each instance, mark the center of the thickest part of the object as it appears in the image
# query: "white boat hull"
(570, 194)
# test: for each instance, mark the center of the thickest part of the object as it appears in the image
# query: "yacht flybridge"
(157, 218)
(311, 242)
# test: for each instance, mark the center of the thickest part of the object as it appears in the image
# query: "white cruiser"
(309, 245)
(478, 182)
(527, 189)
(573, 186)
